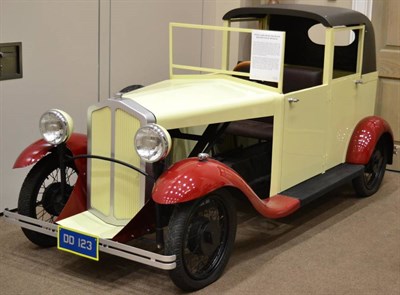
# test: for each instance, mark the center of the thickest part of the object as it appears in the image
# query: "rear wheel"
(40, 196)
(369, 182)
(201, 235)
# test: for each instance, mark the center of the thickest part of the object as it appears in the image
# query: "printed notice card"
(266, 55)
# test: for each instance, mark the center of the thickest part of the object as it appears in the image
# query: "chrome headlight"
(152, 143)
(55, 126)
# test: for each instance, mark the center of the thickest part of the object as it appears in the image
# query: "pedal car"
(280, 129)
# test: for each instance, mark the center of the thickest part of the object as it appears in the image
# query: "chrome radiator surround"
(103, 139)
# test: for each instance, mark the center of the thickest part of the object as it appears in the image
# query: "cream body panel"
(366, 97)
(192, 102)
(343, 118)
(208, 99)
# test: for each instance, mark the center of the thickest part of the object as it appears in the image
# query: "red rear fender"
(365, 136)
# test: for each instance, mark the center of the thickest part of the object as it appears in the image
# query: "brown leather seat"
(299, 77)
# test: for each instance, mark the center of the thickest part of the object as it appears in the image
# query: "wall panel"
(60, 57)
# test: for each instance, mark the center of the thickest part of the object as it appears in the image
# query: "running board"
(317, 186)
(118, 249)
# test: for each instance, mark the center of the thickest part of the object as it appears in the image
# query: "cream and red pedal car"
(168, 160)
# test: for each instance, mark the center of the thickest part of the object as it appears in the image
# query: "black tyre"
(201, 234)
(40, 196)
(369, 182)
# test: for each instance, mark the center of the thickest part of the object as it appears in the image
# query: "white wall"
(139, 39)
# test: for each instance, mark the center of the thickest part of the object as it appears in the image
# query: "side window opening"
(299, 49)
(345, 56)
(345, 51)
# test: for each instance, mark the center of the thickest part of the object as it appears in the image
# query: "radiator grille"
(114, 189)
(127, 182)
(100, 173)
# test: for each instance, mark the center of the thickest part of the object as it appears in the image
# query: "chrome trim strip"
(40, 226)
(139, 255)
(165, 262)
(145, 117)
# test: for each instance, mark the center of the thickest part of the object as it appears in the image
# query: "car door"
(352, 95)
(306, 116)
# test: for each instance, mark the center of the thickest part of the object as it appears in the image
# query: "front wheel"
(201, 234)
(369, 182)
(40, 196)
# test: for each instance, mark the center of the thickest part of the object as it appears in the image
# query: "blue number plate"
(78, 243)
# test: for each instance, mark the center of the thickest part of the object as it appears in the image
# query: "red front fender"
(77, 144)
(365, 136)
(191, 179)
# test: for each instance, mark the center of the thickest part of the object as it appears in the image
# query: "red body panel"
(191, 179)
(77, 201)
(142, 223)
(364, 138)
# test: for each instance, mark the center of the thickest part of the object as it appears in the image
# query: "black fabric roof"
(329, 16)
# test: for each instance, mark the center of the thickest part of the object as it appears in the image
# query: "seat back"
(298, 77)
(294, 77)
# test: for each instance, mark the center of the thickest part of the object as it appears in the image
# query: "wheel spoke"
(41, 213)
(49, 189)
(50, 219)
(52, 179)
(53, 176)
